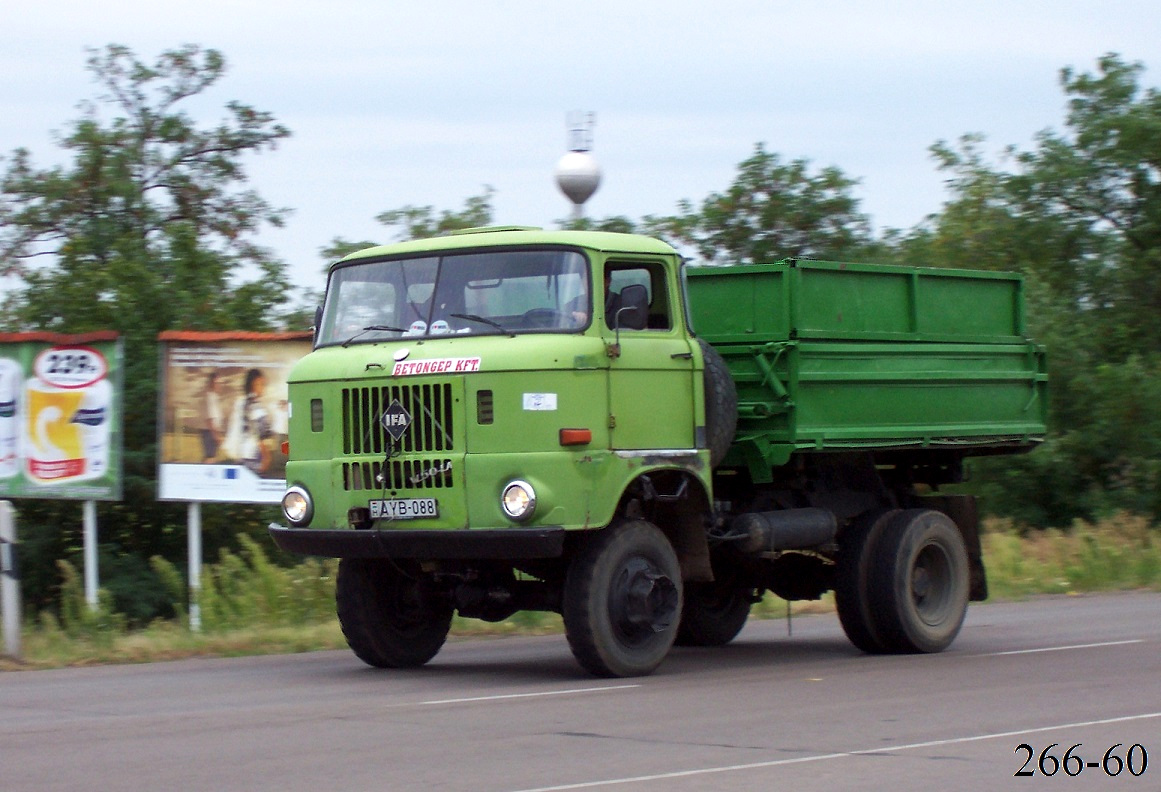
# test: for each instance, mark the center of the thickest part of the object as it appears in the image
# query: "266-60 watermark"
(1118, 759)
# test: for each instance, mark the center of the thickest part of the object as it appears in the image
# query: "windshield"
(496, 292)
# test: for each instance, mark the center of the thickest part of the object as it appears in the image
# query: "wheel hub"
(643, 600)
(931, 584)
(920, 583)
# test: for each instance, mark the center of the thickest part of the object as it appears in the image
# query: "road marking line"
(1060, 648)
(527, 695)
(840, 755)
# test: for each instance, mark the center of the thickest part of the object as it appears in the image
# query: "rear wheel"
(851, 597)
(622, 600)
(387, 618)
(712, 614)
(918, 582)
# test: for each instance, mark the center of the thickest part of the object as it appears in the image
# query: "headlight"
(518, 500)
(297, 506)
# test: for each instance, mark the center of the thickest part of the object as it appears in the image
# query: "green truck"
(510, 419)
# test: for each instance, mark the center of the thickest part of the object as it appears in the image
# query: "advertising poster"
(224, 414)
(60, 416)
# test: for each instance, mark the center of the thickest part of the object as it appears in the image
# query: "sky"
(427, 102)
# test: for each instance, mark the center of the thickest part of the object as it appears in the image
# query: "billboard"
(223, 415)
(60, 416)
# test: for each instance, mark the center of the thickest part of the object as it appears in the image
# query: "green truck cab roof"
(508, 236)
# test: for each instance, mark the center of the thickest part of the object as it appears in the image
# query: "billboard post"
(194, 548)
(90, 551)
(9, 581)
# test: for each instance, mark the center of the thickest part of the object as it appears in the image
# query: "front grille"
(430, 407)
(398, 474)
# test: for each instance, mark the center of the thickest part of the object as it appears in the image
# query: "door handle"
(682, 356)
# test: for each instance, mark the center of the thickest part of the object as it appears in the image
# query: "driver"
(578, 306)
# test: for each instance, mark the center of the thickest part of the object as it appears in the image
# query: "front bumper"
(508, 543)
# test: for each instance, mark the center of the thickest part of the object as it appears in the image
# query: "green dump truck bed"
(830, 357)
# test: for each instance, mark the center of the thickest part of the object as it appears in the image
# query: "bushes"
(77, 619)
(241, 590)
(1103, 456)
(1122, 552)
(249, 605)
(247, 589)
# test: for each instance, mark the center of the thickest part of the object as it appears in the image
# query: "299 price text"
(1116, 760)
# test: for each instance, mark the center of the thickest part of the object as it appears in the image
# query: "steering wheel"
(542, 317)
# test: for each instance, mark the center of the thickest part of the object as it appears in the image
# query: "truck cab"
(504, 363)
(475, 400)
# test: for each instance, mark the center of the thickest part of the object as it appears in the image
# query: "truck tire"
(712, 614)
(387, 621)
(918, 582)
(851, 597)
(721, 404)
(622, 600)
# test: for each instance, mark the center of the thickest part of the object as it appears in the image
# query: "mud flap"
(963, 512)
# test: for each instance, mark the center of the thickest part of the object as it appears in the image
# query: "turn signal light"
(570, 437)
(286, 448)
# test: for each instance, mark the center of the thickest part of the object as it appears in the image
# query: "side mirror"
(317, 324)
(634, 311)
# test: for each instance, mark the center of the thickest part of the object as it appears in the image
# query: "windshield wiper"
(370, 328)
(482, 320)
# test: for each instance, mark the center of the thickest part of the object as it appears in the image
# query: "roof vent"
(491, 229)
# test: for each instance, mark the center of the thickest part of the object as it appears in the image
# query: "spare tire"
(721, 404)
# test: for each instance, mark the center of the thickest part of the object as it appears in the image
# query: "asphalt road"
(770, 711)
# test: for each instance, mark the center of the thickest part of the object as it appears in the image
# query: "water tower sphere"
(578, 176)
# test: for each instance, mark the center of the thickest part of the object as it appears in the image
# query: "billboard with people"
(60, 416)
(224, 413)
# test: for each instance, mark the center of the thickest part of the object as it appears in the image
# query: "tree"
(772, 210)
(146, 227)
(144, 230)
(147, 217)
(419, 222)
(1080, 216)
(977, 225)
(616, 224)
(340, 247)
(1104, 176)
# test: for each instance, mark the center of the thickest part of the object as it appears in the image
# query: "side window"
(652, 278)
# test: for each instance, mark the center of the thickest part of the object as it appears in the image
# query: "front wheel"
(918, 583)
(387, 617)
(622, 600)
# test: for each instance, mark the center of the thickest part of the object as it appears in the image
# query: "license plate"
(403, 508)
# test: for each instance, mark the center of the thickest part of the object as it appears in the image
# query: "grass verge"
(250, 606)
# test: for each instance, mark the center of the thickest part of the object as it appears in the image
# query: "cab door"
(651, 380)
